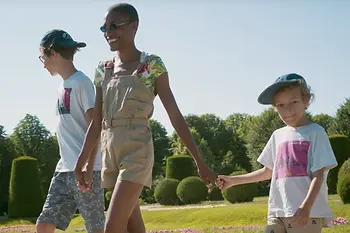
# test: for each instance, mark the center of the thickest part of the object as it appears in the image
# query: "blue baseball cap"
(266, 96)
(57, 37)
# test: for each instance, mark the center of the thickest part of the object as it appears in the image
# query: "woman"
(125, 90)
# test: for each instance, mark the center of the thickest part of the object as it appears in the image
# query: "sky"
(220, 54)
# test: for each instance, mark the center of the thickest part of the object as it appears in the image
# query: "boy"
(74, 113)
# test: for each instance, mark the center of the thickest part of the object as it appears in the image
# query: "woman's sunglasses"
(113, 26)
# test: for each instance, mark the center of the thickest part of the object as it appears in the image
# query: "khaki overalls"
(127, 147)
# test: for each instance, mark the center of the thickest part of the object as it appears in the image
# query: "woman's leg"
(136, 224)
(124, 207)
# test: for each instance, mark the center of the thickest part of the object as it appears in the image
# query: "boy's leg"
(275, 225)
(314, 225)
(91, 205)
(59, 206)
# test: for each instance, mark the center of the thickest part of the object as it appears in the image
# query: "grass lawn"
(207, 219)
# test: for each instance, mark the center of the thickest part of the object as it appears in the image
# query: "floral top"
(151, 67)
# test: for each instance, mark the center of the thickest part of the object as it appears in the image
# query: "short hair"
(304, 89)
(65, 52)
(125, 9)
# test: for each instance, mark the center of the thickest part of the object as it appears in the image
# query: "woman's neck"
(129, 55)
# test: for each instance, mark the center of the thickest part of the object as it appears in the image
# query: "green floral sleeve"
(156, 67)
(99, 74)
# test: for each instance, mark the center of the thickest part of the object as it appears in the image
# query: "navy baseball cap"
(57, 37)
(266, 96)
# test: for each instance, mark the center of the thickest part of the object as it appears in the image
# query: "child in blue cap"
(74, 110)
(297, 159)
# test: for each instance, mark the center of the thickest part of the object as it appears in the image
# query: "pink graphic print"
(63, 104)
(292, 159)
(66, 98)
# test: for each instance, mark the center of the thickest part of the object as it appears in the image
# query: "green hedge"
(241, 193)
(180, 167)
(165, 192)
(26, 195)
(341, 148)
(344, 188)
(192, 190)
(344, 169)
(215, 195)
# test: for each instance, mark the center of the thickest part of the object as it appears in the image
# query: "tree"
(178, 147)
(31, 138)
(161, 146)
(324, 120)
(342, 119)
(48, 161)
(6, 157)
(238, 123)
(260, 131)
(215, 140)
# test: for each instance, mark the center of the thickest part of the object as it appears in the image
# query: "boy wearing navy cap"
(74, 110)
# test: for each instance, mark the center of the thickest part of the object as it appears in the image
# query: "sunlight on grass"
(207, 219)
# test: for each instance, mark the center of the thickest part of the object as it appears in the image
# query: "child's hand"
(224, 182)
(84, 183)
(301, 217)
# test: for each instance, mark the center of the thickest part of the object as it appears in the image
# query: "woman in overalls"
(125, 90)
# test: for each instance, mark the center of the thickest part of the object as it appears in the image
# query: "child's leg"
(314, 225)
(123, 203)
(59, 206)
(275, 225)
(91, 204)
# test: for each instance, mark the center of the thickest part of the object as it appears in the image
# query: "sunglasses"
(113, 26)
(41, 58)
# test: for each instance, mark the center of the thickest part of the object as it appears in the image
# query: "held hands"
(207, 175)
(225, 182)
(84, 177)
(211, 179)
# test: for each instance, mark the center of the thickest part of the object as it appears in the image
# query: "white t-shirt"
(293, 154)
(75, 96)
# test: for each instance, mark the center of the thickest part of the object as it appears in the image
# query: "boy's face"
(50, 62)
(291, 105)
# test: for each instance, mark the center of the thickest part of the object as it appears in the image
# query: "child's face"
(291, 105)
(49, 61)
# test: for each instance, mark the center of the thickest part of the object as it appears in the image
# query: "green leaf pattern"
(155, 67)
(99, 71)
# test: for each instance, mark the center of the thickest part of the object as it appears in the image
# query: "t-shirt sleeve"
(322, 154)
(156, 67)
(266, 156)
(99, 74)
(86, 95)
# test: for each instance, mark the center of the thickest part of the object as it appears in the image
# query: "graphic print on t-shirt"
(63, 103)
(292, 159)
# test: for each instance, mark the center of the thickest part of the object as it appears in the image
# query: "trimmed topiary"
(240, 193)
(180, 167)
(215, 195)
(341, 148)
(165, 192)
(344, 169)
(192, 190)
(344, 188)
(26, 195)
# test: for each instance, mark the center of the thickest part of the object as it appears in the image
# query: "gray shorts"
(64, 198)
